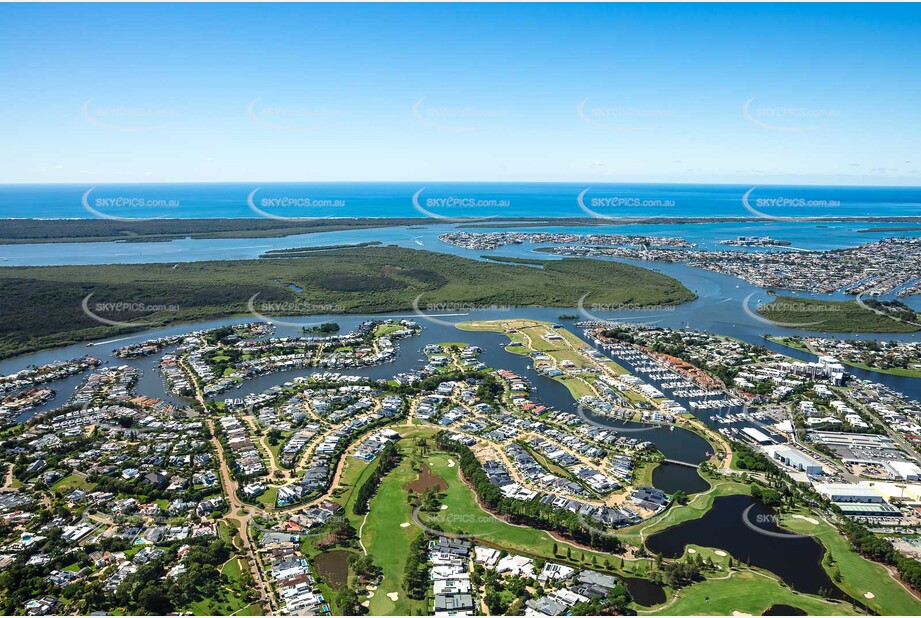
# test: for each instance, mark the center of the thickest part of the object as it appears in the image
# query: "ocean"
(452, 200)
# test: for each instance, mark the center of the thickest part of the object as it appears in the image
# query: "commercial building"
(848, 492)
(797, 460)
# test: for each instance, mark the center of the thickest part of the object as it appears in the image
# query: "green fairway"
(858, 575)
(388, 542)
(746, 592)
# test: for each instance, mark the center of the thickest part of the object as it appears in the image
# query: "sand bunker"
(450, 463)
(811, 520)
(738, 613)
(405, 524)
(393, 596)
(720, 552)
(444, 507)
(692, 551)
(366, 603)
(869, 595)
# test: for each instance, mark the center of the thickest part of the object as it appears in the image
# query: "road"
(236, 506)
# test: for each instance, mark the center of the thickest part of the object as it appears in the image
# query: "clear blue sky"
(826, 94)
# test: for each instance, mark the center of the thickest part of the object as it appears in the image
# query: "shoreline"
(33, 230)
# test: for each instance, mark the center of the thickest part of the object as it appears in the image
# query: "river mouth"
(796, 560)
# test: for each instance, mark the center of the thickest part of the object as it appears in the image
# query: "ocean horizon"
(452, 200)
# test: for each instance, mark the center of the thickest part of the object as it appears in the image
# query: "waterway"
(796, 560)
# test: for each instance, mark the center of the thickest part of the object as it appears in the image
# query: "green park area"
(831, 316)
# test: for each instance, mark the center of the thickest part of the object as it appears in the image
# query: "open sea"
(452, 200)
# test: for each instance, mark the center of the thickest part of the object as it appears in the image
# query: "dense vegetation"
(895, 308)
(326, 328)
(530, 513)
(388, 459)
(678, 573)
(747, 458)
(98, 230)
(831, 316)
(416, 571)
(42, 306)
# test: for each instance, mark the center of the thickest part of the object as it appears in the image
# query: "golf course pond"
(333, 567)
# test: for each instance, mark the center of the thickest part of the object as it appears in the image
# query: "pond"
(796, 560)
(427, 480)
(333, 567)
(645, 592)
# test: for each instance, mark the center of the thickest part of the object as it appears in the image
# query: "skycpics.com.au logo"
(591, 311)
(432, 311)
(123, 310)
(439, 520)
(291, 118)
(302, 208)
(590, 416)
(107, 207)
(757, 206)
(620, 207)
(787, 119)
(762, 312)
(126, 118)
(465, 208)
(288, 308)
(621, 119)
(757, 523)
(456, 119)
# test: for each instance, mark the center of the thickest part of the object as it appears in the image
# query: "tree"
(347, 600)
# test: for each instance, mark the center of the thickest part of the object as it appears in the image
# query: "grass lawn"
(251, 610)
(233, 570)
(386, 329)
(577, 386)
(858, 575)
(747, 592)
(72, 482)
(222, 606)
(267, 498)
(353, 475)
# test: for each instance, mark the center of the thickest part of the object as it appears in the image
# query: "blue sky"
(810, 94)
